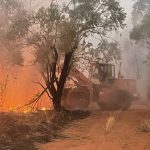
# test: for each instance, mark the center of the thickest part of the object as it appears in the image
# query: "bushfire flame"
(20, 86)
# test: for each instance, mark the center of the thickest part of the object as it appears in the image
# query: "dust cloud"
(133, 56)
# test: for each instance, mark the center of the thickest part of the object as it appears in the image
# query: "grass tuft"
(111, 121)
(145, 127)
(20, 131)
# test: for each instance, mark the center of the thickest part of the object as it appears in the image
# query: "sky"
(127, 5)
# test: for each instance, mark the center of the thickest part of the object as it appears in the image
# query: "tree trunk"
(57, 107)
(64, 75)
(57, 92)
(57, 101)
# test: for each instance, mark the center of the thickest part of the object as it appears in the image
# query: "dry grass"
(111, 121)
(21, 131)
(145, 127)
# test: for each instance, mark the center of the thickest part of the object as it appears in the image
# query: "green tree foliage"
(9, 9)
(141, 31)
(140, 8)
(58, 32)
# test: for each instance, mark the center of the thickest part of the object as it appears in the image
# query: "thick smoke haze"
(134, 56)
(21, 88)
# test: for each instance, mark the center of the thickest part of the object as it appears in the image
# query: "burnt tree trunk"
(57, 102)
(57, 92)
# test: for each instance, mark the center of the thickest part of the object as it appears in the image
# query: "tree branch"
(43, 88)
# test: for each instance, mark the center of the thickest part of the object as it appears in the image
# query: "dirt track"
(90, 133)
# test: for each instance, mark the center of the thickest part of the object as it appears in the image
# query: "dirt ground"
(125, 133)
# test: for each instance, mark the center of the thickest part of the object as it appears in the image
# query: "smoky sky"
(131, 64)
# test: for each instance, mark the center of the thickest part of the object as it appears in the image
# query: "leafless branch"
(43, 88)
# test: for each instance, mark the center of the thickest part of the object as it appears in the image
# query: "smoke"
(133, 56)
(15, 65)
(20, 86)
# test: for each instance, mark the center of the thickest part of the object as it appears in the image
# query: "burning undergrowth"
(20, 131)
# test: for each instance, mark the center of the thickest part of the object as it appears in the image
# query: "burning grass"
(20, 131)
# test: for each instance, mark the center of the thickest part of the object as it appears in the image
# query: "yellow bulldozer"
(103, 88)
